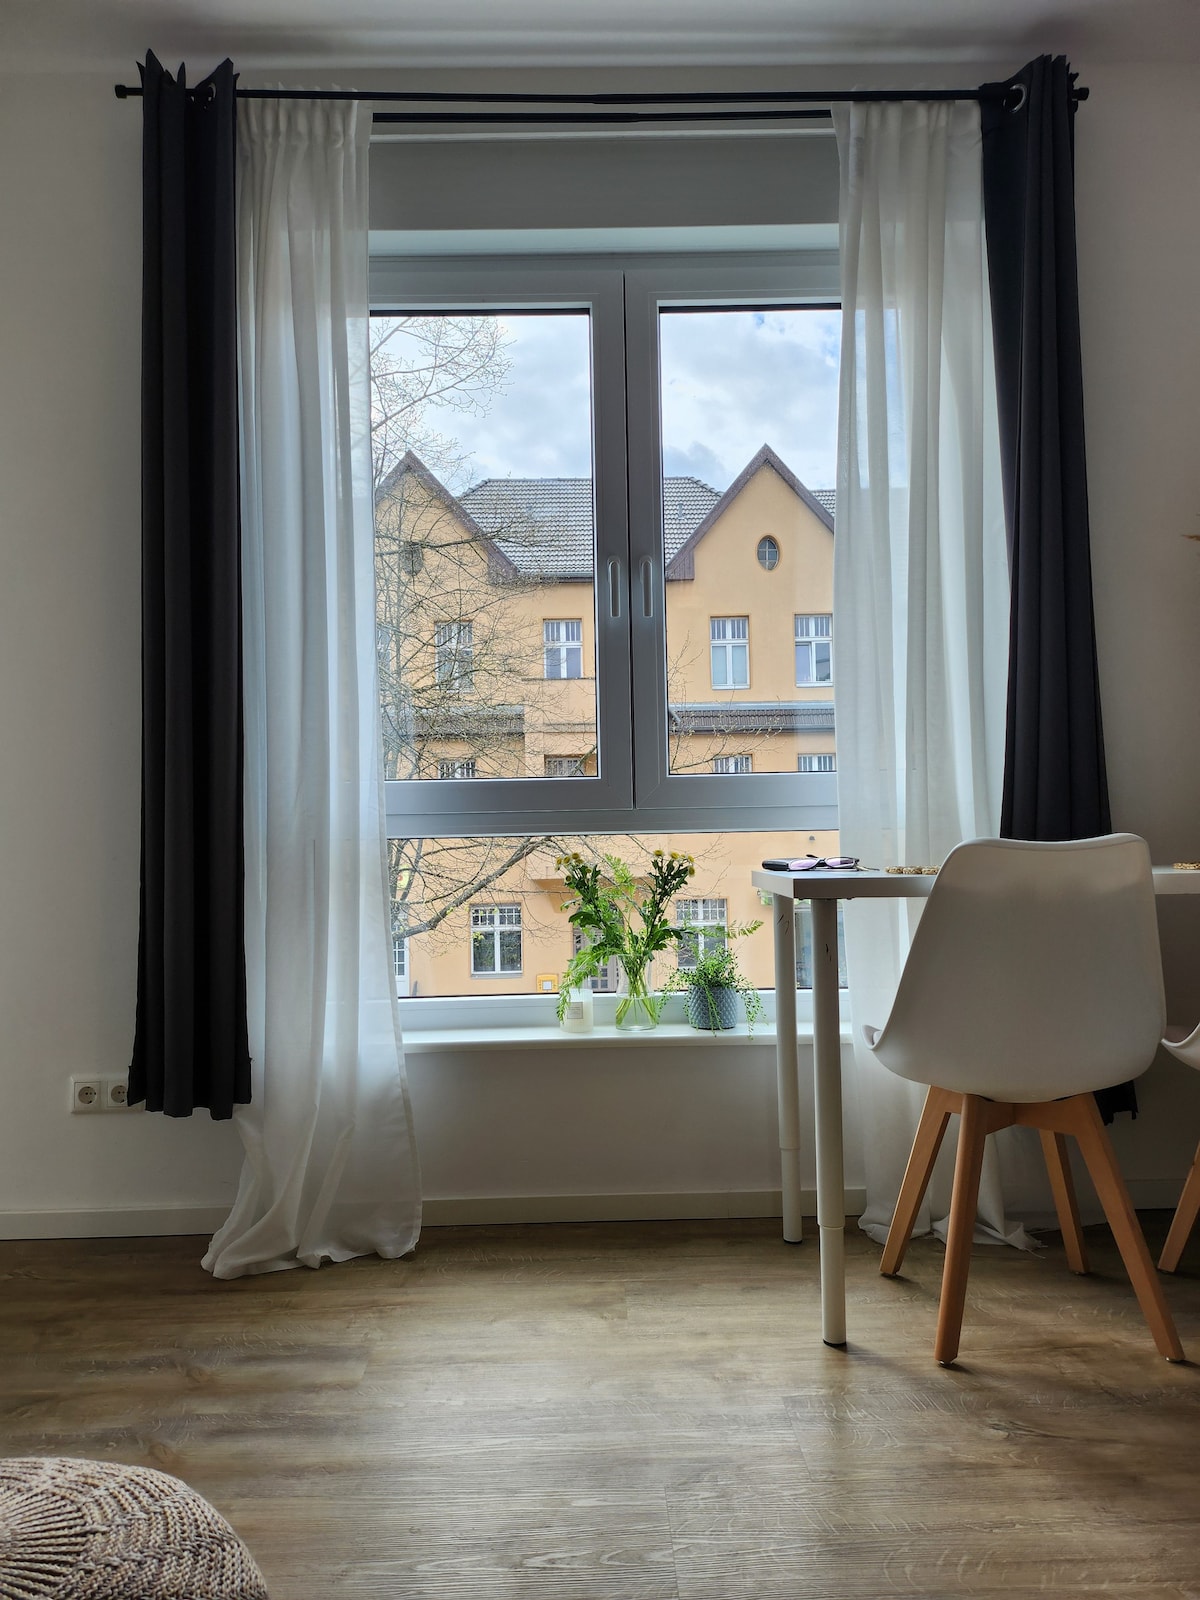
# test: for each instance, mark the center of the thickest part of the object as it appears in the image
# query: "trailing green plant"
(608, 897)
(716, 970)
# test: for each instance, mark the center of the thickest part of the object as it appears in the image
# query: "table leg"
(827, 1064)
(787, 1065)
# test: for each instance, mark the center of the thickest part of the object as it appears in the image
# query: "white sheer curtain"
(330, 1169)
(920, 566)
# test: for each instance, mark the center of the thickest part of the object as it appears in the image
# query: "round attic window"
(768, 553)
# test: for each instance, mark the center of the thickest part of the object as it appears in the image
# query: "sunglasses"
(811, 863)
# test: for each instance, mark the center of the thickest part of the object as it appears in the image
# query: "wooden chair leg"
(931, 1130)
(964, 1203)
(1122, 1219)
(1062, 1186)
(1184, 1221)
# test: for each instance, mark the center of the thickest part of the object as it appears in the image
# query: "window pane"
(484, 542)
(518, 925)
(749, 422)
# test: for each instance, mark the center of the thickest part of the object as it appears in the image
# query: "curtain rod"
(781, 101)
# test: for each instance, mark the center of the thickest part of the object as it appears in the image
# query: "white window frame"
(729, 643)
(566, 647)
(463, 767)
(768, 543)
(576, 763)
(491, 919)
(811, 637)
(634, 790)
(454, 656)
(708, 925)
(820, 762)
(728, 766)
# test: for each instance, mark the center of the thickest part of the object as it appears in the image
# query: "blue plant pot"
(713, 1009)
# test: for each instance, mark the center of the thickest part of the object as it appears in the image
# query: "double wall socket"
(100, 1094)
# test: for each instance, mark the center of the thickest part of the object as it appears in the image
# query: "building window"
(733, 763)
(768, 553)
(814, 650)
(605, 981)
(705, 922)
(564, 766)
(804, 947)
(562, 646)
(495, 939)
(454, 652)
(816, 763)
(457, 769)
(730, 652)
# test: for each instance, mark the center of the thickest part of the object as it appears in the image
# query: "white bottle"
(577, 1013)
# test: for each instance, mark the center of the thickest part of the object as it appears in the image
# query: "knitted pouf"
(96, 1530)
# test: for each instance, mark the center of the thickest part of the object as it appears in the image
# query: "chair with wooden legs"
(1034, 978)
(1188, 1208)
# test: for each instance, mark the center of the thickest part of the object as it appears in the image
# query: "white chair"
(1188, 1208)
(1033, 979)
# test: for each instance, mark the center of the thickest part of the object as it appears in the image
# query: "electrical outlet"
(114, 1095)
(87, 1094)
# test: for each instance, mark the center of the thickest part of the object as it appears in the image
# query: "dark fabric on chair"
(1055, 782)
(190, 1046)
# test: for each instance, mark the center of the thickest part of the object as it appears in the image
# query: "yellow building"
(487, 664)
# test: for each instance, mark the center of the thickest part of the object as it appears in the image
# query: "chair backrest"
(1034, 973)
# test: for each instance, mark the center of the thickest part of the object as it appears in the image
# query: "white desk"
(824, 888)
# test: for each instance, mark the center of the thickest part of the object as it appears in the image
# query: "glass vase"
(637, 1008)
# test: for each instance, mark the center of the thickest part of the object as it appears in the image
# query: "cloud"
(731, 382)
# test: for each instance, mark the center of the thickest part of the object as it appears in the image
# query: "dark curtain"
(190, 1047)
(1055, 784)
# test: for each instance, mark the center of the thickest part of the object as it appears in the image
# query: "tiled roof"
(544, 525)
(827, 497)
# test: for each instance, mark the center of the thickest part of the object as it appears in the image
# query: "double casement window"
(562, 649)
(633, 537)
(729, 764)
(729, 652)
(814, 651)
(816, 763)
(704, 922)
(454, 656)
(457, 769)
(495, 940)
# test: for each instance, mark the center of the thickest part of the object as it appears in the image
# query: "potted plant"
(714, 987)
(608, 899)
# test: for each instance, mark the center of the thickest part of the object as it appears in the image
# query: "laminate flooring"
(630, 1412)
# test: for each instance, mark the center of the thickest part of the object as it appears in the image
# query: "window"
(400, 946)
(604, 982)
(495, 939)
(814, 660)
(768, 553)
(729, 651)
(589, 511)
(457, 769)
(705, 921)
(454, 650)
(562, 648)
(817, 763)
(804, 949)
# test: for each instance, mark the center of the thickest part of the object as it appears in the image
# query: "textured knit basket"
(96, 1530)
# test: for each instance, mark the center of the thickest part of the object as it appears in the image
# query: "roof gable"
(682, 565)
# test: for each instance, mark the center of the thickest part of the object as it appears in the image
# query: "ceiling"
(297, 34)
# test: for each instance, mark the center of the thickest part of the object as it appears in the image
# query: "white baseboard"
(137, 1222)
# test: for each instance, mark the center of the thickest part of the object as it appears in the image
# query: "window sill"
(549, 1036)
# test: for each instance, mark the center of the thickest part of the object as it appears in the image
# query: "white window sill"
(529, 1022)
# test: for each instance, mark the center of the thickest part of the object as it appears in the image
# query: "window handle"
(647, 588)
(614, 588)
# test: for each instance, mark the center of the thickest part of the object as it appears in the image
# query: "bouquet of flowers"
(608, 897)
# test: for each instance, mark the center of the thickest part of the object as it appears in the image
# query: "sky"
(732, 381)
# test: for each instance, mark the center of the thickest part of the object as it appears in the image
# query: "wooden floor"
(635, 1411)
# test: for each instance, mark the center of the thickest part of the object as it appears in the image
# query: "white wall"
(69, 693)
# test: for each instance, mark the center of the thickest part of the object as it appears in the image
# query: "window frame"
(496, 929)
(562, 646)
(634, 790)
(812, 640)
